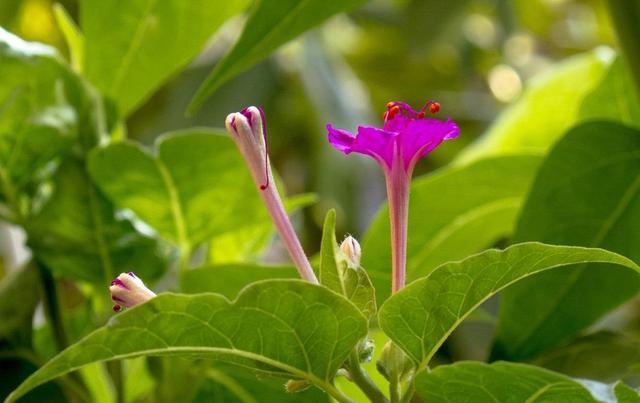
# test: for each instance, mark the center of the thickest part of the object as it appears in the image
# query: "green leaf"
(421, 316)
(625, 394)
(229, 279)
(617, 355)
(72, 36)
(286, 327)
(612, 98)
(453, 213)
(548, 108)
(269, 25)
(133, 47)
(337, 275)
(193, 188)
(498, 382)
(37, 122)
(586, 193)
(76, 234)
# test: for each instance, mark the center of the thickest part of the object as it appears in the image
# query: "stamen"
(117, 308)
(393, 111)
(266, 149)
(433, 106)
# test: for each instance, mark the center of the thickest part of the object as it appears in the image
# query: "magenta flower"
(406, 137)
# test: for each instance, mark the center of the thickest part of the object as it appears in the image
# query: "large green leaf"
(270, 24)
(337, 275)
(133, 47)
(76, 234)
(421, 316)
(612, 98)
(229, 279)
(498, 382)
(37, 122)
(617, 355)
(549, 107)
(194, 187)
(287, 327)
(453, 213)
(587, 193)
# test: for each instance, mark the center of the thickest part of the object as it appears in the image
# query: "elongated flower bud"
(351, 249)
(127, 290)
(248, 129)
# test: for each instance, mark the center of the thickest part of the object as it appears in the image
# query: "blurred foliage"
(104, 172)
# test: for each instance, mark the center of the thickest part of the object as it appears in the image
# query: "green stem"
(408, 394)
(117, 376)
(336, 393)
(52, 307)
(231, 385)
(363, 381)
(394, 390)
(625, 16)
(52, 310)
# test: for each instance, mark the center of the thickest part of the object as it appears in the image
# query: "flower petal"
(342, 140)
(423, 135)
(375, 142)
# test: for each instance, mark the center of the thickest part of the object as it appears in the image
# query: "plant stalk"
(52, 307)
(53, 313)
(363, 381)
(116, 372)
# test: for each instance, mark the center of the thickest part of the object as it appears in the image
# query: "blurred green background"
(473, 56)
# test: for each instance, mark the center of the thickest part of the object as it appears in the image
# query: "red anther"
(434, 107)
(117, 308)
(393, 111)
(420, 115)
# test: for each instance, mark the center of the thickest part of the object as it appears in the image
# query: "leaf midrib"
(135, 43)
(176, 205)
(163, 351)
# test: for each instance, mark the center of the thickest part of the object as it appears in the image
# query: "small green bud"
(296, 385)
(393, 362)
(351, 249)
(365, 350)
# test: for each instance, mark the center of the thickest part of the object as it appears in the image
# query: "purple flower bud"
(128, 290)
